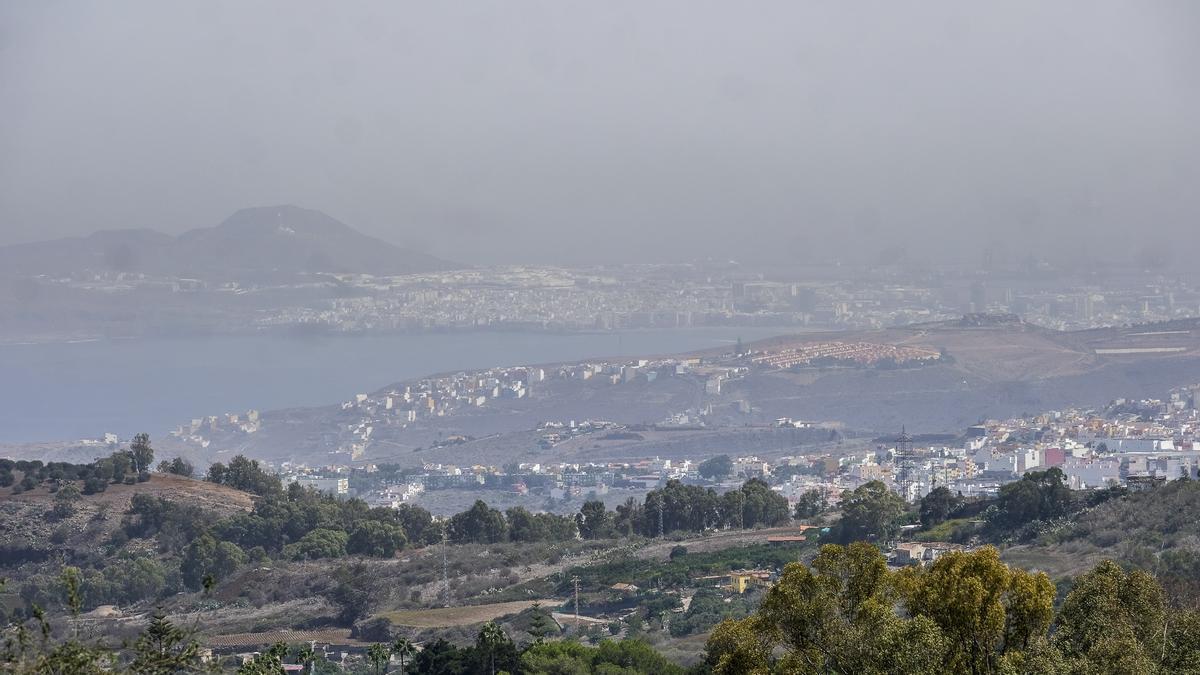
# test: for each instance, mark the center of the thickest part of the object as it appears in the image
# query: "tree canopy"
(871, 512)
(968, 612)
(715, 468)
(938, 506)
(1039, 495)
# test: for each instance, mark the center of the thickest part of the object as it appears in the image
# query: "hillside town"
(459, 393)
(1131, 443)
(451, 395)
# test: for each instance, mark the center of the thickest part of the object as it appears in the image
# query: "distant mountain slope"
(271, 240)
(111, 250)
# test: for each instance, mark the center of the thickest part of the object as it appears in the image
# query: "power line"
(741, 510)
(575, 581)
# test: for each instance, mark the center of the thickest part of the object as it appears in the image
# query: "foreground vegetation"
(191, 550)
(322, 561)
(845, 613)
(966, 613)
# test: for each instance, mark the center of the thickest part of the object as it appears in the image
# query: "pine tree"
(163, 649)
(538, 626)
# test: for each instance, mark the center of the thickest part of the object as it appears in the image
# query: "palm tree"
(491, 637)
(378, 655)
(404, 650)
(307, 656)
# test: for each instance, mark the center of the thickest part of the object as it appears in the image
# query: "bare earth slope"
(994, 371)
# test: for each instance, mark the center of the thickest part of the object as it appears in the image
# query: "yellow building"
(739, 582)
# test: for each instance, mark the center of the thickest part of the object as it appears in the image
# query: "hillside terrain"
(1157, 530)
(244, 562)
(29, 530)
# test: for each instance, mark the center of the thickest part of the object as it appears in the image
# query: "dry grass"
(1057, 562)
(446, 617)
(210, 496)
(336, 636)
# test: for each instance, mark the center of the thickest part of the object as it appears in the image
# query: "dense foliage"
(626, 656)
(938, 506)
(690, 508)
(1156, 530)
(1039, 495)
(245, 475)
(871, 512)
(716, 468)
(178, 466)
(810, 504)
(122, 466)
(1022, 511)
(966, 613)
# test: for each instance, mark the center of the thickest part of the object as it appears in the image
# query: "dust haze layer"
(574, 133)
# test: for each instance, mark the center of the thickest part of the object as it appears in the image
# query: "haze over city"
(659, 338)
(571, 133)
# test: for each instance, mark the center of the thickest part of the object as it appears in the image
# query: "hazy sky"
(556, 131)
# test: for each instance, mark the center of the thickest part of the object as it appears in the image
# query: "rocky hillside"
(30, 528)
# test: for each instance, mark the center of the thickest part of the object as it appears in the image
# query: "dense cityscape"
(606, 298)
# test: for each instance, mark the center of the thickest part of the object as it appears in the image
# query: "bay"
(70, 391)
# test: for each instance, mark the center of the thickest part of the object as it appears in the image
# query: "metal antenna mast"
(445, 574)
(575, 581)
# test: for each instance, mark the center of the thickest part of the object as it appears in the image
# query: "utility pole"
(445, 574)
(741, 510)
(575, 581)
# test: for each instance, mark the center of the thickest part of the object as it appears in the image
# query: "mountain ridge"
(273, 240)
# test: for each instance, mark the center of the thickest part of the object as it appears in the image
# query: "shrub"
(94, 485)
(320, 543)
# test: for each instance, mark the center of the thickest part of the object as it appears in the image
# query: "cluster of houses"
(1129, 442)
(858, 353)
(200, 429)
